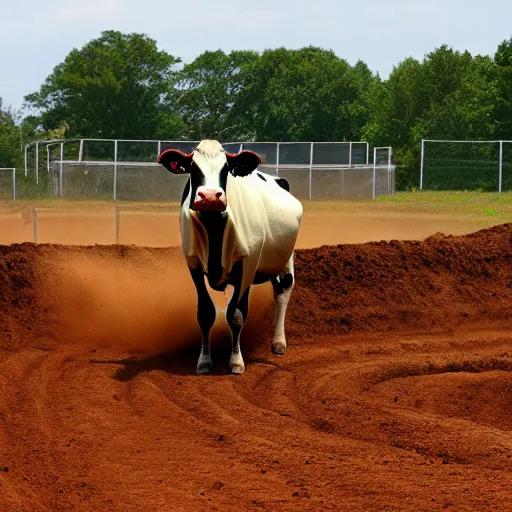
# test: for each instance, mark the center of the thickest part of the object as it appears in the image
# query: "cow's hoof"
(279, 347)
(236, 363)
(237, 369)
(204, 366)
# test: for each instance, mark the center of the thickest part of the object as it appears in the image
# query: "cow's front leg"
(206, 314)
(236, 314)
(283, 286)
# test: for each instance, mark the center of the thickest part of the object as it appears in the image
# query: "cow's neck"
(215, 223)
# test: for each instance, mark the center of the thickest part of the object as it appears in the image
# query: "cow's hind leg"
(206, 314)
(283, 286)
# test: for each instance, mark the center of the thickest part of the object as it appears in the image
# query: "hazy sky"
(36, 35)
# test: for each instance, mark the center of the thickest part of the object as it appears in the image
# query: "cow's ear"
(175, 161)
(243, 163)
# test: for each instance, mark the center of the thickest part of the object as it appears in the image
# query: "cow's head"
(208, 167)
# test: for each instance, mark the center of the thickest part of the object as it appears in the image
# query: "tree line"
(122, 86)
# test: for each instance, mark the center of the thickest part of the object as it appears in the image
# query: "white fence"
(127, 169)
(8, 181)
(466, 165)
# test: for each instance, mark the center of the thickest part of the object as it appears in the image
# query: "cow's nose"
(209, 199)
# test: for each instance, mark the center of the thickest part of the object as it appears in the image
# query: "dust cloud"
(139, 300)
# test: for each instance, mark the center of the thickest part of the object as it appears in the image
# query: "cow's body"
(238, 230)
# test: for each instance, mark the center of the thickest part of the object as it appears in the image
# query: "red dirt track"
(394, 394)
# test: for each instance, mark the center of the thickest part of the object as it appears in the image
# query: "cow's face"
(208, 167)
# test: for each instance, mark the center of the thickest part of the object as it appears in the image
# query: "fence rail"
(131, 150)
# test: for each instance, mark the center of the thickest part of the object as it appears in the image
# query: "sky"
(35, 35)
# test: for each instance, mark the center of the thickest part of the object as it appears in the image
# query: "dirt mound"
(399, 364)
(442, 282)
(136, 297)
(17, 292)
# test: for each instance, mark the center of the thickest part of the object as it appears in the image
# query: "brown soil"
(150, 227)
(394, 394)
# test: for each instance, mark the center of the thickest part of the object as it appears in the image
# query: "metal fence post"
(37, 163)
(350, 154)
(159, 148)
(60, 168)
(501, 168)
(14, 183)
(26, 163)
(81, 150)
(367, 152)
(374, 173)
(421, 162)
(310, 171)
(390, 153)
(277, 159)
(115, 170)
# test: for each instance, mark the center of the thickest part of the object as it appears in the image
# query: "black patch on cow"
(260, 278)
(243, 163)
(261, 177)
(283, 184)
(186, 190)
(206, 312)
(280, 284)
(215, 224)
(286, 281)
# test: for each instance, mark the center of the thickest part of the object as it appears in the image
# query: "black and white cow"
(239, 228)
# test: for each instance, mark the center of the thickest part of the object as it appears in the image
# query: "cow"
(238, 227)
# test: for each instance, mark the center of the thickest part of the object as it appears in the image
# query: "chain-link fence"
(127, 170)
(506, 166)
(7, 183)
(466, 165)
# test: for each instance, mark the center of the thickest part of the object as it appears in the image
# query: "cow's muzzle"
(208, 199)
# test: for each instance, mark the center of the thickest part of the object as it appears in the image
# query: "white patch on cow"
(279, 337)
(209, 156)
(236, 362)
(209, 148)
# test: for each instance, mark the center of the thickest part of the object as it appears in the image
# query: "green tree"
(210, 90)
(503, 61)
(450, 95)
(396, 105)
(116, 86)
(10, 143)
(462, 96)
(307, 94)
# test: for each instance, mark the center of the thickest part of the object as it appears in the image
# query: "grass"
(466, 197)
(475, 204)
